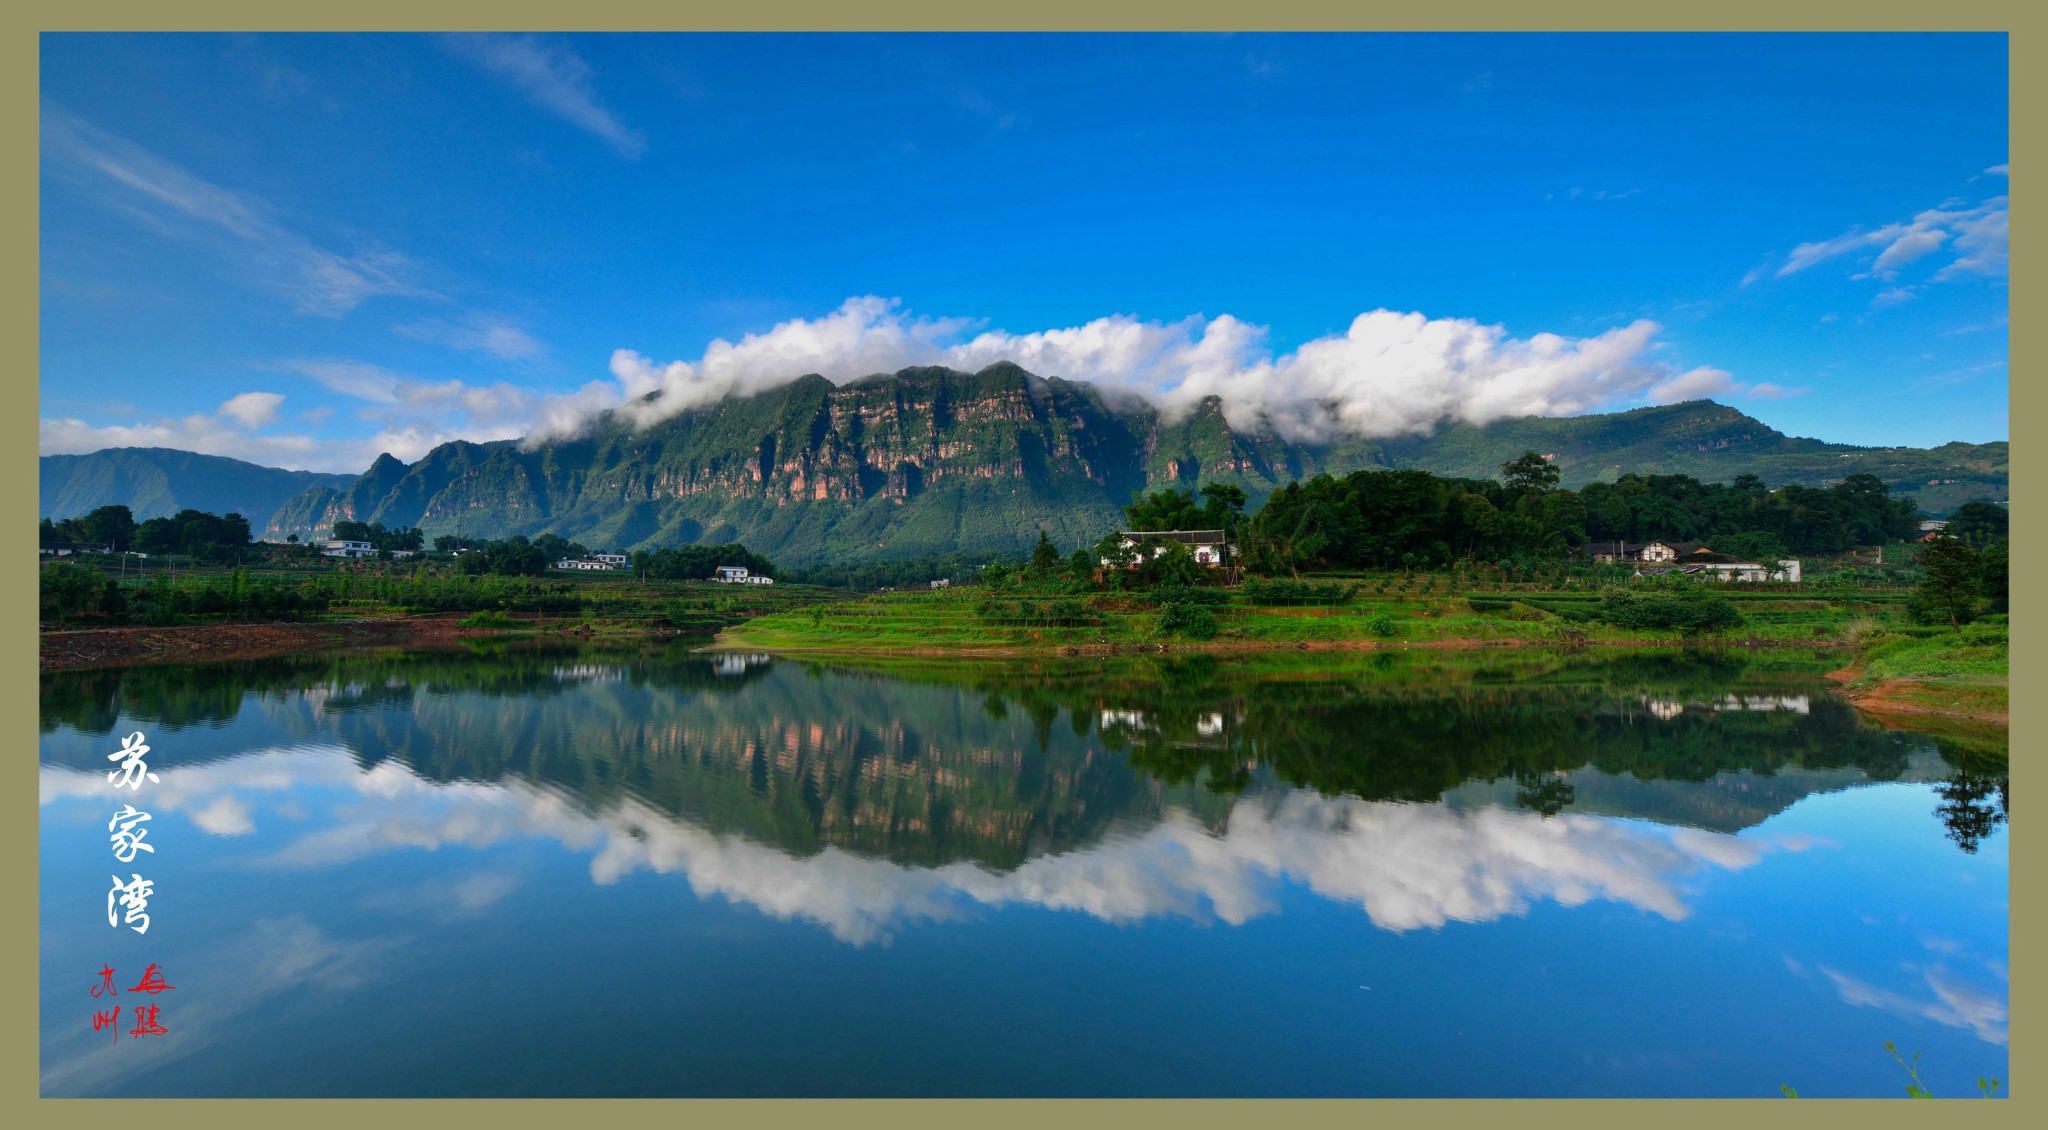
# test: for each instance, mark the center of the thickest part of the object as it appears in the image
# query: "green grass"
(1977, 654)
(948, 620)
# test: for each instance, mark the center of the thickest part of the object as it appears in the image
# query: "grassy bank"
(1934, 671)
(1023, 622)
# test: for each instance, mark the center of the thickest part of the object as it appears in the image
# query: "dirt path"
(123, 647)
(1907, 697)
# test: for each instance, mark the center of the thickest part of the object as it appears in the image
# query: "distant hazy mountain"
(156, 481)
(932, 460)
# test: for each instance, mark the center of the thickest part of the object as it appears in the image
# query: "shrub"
(1382, 625)
(1190, 620)
(1689, 612)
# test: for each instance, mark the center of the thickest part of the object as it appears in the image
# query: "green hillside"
(932, 461)
(156, 482)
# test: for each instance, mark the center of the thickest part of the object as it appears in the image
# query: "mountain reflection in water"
(859, 800)
(674, 874)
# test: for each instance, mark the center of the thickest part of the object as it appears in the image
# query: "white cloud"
(556, 79)
(1388, 373)
(1694, 385)
(1953, 1003)
(252, 409)
(354, 379)
(478, 334)
(1977, 236)
(1999, 171)
(1406, 866)
(175, 203)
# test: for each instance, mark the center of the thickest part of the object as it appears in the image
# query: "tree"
(1995, 579)
(110, 526)
(1165, 510)
(1224, 506)
(1948, 582)
(1979, 523)
(1045, 558)
(1115, 553)
(1528, 473)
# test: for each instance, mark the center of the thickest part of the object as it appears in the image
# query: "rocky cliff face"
(932, 461)
(922, 461)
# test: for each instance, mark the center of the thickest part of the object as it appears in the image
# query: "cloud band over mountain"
(1389, 373)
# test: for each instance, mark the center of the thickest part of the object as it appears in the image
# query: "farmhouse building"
(737, 575)
(1208, 546)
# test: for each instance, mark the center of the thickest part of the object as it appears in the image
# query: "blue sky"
(305, 249)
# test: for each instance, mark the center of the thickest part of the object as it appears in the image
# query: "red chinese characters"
(148, 1017)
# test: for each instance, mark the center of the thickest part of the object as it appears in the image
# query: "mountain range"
(933, 461)
(156, 482)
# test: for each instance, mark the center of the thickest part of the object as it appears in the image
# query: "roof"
(1205, 537)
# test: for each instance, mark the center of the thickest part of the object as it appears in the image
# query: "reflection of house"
(1135, 719)
(1666, 709)
(1208, 546)
(1209, 725)
(737, 664)
(737, 575)
(345, 547)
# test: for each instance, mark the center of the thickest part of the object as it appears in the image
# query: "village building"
(1208, 546)
(1641, 552)
(347, 547)
(67, 548)
(737, 575)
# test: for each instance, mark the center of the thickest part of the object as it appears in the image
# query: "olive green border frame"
(19, 1067)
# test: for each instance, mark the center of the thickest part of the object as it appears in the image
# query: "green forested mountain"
(156, 482)
(932, 461)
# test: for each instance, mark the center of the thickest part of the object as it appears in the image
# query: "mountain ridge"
(931, 460)
(156, 482)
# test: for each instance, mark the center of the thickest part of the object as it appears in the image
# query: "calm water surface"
(541, 872)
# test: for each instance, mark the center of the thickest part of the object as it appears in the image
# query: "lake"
(528, 870)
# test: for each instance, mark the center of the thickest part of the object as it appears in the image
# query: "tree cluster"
(1405, 519)
(110, 526)
(1747, 518)
(1957, 581)
(696, 562)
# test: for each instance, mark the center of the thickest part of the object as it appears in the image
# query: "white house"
(943, 583)
(615, 560)
(581, 563)
(1208, 546)
(1724, 571)
(344, 547)
(737, 575)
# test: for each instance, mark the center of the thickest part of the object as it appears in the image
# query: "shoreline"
(1897, 701)
(136, 645)
(1900, 699)
(722, 645)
